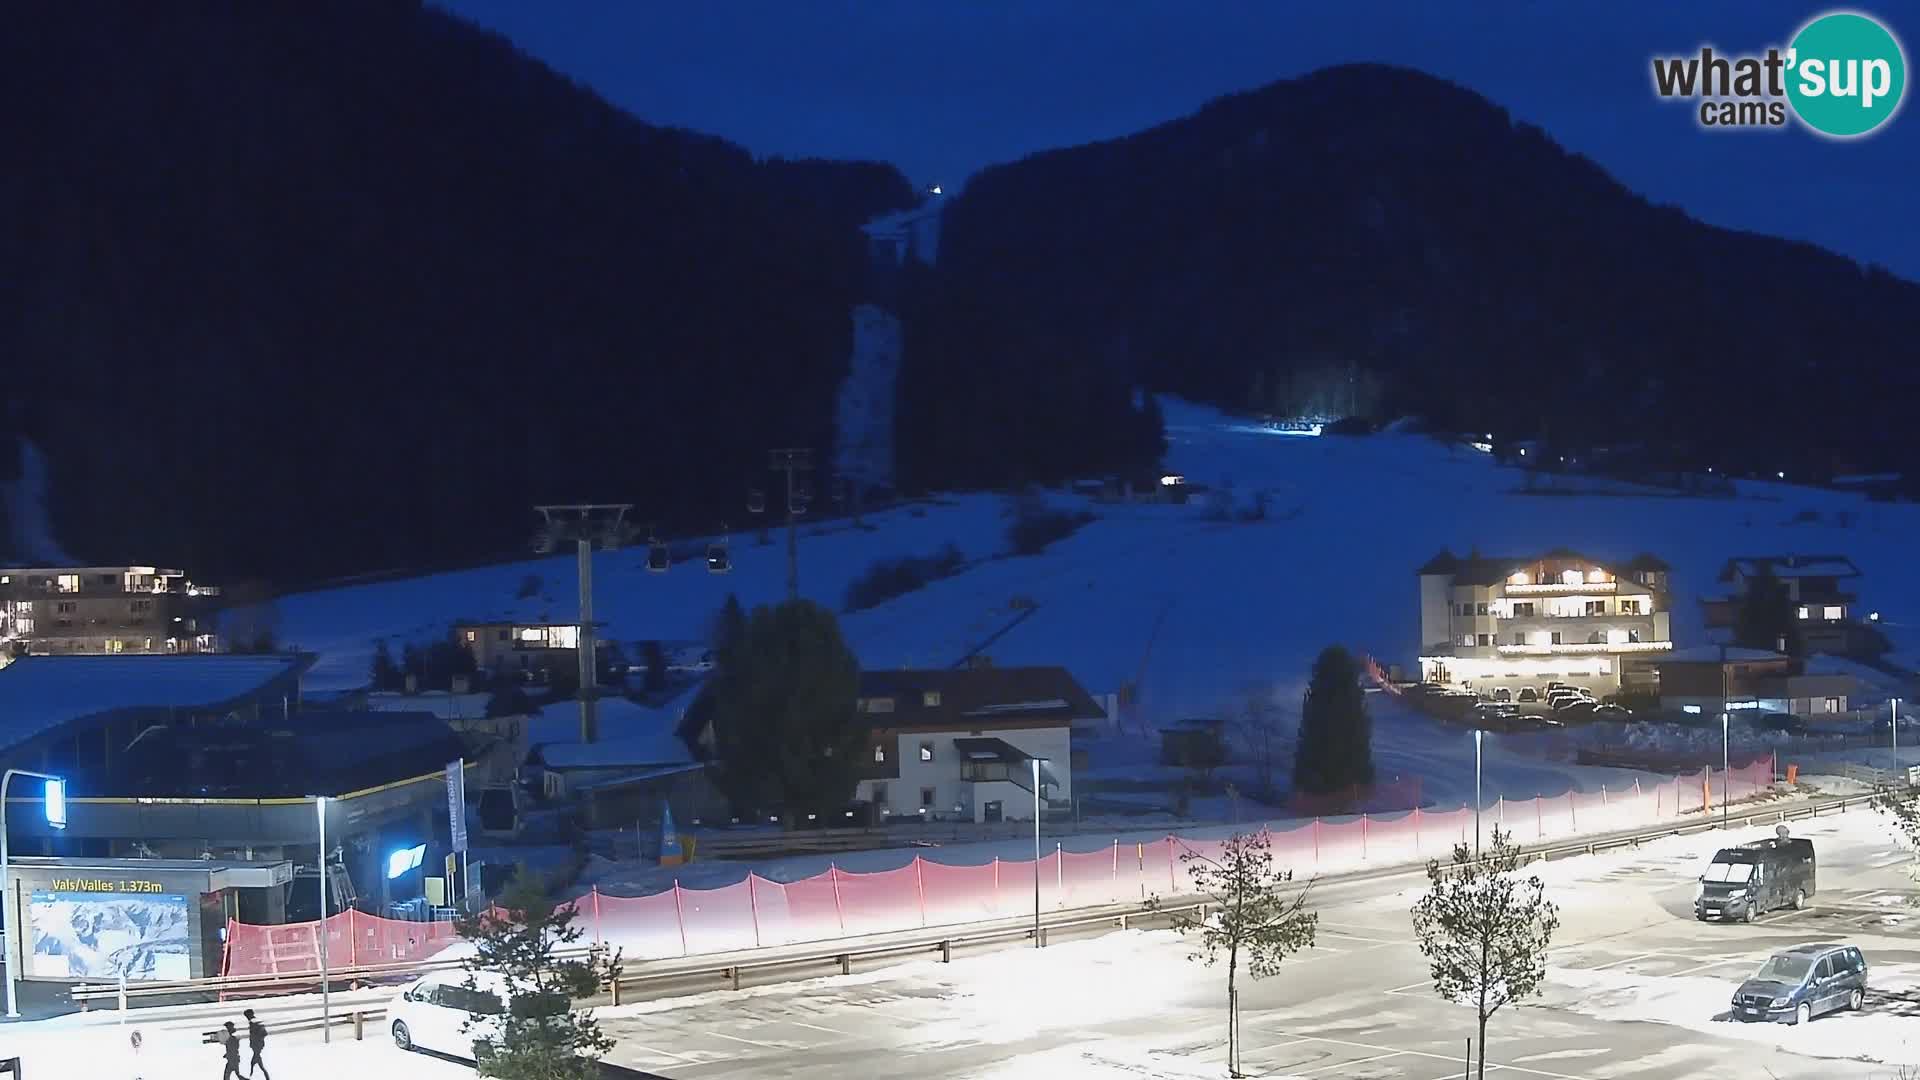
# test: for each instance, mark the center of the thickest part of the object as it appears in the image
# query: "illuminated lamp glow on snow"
(1172, 481)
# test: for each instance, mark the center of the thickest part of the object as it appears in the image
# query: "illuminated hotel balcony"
(1585, 648)
(1559, 588)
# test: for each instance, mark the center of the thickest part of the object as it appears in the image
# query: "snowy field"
(1193, 607)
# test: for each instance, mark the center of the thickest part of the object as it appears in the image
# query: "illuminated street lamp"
(326, 996)
(1477, 735)
(55, 801)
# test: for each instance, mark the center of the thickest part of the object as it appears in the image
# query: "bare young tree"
(1249, 919)
(1901, 805)
(1259, 724)
(1484, 930)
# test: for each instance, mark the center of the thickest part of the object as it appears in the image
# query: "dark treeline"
(296, 290)
(1373, 234)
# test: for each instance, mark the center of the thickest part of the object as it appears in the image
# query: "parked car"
(1502, 694)
(1612, 712)
(1755, 878)
(1798, 984)
(439, 1012)
(1576, 710)
(1493, 716)
(1528, 695)
(1787, 722)
(1560, 699)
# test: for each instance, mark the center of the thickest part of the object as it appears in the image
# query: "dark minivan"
(1803, 982)
(1755, 878)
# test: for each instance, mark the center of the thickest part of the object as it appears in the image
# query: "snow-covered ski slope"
(1221, 603)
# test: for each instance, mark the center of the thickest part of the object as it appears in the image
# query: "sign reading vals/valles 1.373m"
(104, 885)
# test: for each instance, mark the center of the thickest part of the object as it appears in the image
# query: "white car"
(439, 1012)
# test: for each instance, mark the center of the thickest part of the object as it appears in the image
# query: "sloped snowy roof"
(39, 693)
(630, 734)
(1789, 566)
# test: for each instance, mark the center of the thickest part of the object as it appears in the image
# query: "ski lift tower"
(791, 462)
(587, 525)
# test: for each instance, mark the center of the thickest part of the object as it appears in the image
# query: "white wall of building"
(953, 797)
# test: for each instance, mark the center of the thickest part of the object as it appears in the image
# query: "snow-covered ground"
(1191, 608)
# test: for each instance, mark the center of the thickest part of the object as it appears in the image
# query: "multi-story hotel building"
(1524, 621)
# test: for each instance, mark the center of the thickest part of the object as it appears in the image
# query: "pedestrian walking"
(232, 1044)
(256, 1042)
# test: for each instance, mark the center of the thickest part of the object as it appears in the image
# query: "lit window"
(1596, 576)
(67, 583)
(1694, 709)
(1835, 613)
(926, 751)
(880, 755)
(1803, 612)
(1466, 639)
(470, 636)
(1570, 577)
(1616, 636)
(1833, 704)
(931, 699)
(1519, 577)
(563, 637)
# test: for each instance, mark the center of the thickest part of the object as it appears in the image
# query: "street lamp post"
(1036, 852)
(1725, 771)
(56, 802)
(326, 996)
(1477, 735)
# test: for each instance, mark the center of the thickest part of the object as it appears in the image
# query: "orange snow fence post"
(1793, 775)
(1706, 790)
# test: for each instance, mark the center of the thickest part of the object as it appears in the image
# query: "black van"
(1755, 878)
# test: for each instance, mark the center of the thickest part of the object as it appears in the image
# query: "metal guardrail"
(731, 967)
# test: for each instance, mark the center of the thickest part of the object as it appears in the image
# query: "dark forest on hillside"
(301, 290)
(1378, 222)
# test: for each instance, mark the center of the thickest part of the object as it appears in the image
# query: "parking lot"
(1637, 990)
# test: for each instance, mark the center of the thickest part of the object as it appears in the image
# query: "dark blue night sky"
(942, 89)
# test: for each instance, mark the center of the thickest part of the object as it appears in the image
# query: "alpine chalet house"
(1819, 588)
(960, 743)
(1521, 622)
(101, 610)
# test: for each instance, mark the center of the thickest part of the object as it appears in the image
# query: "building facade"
(102, 610)
(1716, 678)
(522, 648)
(1821, 591)
(961, 744)
(1524, 621)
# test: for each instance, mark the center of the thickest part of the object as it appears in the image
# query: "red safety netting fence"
(757, 912)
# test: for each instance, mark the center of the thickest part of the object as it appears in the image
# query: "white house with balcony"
(961, 744)
(1520, 622)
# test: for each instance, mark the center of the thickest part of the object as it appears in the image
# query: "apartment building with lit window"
(960, 744)
(102, 610)
(1821, 590)
(522, 648)
(1520, 622)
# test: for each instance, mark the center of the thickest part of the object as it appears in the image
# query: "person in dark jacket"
(256, 1042)
(232, 1044)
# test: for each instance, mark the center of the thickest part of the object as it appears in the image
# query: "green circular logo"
(1846, 74)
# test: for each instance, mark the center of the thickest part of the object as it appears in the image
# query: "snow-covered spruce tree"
(1250, 918)
(1335, 751)
(1484, 930)
(522, 939)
